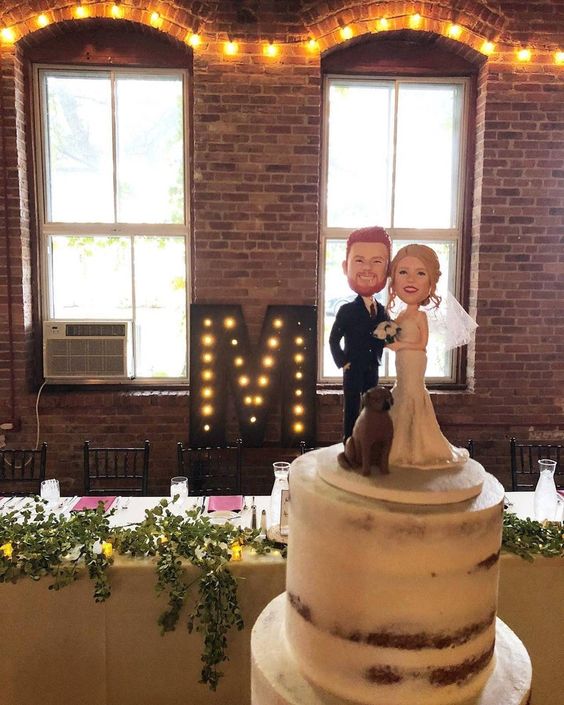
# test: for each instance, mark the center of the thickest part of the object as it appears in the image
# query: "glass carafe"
(546, 499)
(279, 494)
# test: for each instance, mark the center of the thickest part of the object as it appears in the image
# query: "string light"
(559, 57)
(487, 48)
(207, 375)
(207, 392)
(117, 11)
(312, 45)
(270, 50)
(248, 400)
(207, 322)
(206, 427)
(207, 410)
(42, 20)
(272, 342)
(208, 340)
(231, 48)
(229, 323)
(268, 361)
(8, 35)
(346, 32)
(524, 55)
(263, 381)
(238, 362)
(415, 21)
(193, 39)
(298, 427)
(207, 357)
(278, 323)
(454, 30)
(80, 12)
(156, 20)
(382, 24)
(234, 341)
(299, 340)
(244, 381)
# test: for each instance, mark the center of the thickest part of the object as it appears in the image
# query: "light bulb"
(8, 35)
(346, 32)
(207, 392)
(238, 362)
(42, 21)
(207, 322)
(263, 381)
(155, 19)
(207, 357)
(299, 340)
(273, 342)
(267, 361)
(278, 323)
(230, 48)
(415, 21)
(299, 357)
(454, 30)
(559, 57)
(524, 54)
(312, 45)
(208, 340)
(207, 410)
(298, 427)
(117, 11)
(244, 381)
(80, 12)
(270, 50)
(383, 24)
(229, 322)
(487, 48)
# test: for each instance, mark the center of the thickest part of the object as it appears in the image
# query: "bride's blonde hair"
(429, 258)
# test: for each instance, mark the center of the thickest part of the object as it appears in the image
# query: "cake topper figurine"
(371, 439)
(418, 441)
(366, 268)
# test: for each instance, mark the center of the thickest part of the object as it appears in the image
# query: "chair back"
(123, 471)
(211, 470)
(525, 466)
(22, 471)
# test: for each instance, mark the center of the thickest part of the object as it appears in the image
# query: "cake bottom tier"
(277, 680)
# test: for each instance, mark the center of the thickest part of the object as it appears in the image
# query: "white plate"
(220, 517)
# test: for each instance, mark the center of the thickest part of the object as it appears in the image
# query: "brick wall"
(256, 126)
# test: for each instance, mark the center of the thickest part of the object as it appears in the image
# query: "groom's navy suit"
(362, 350)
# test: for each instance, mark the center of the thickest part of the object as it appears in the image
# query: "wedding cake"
(387, 602)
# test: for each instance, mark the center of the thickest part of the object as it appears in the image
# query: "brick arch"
(100, 40)
(415, 51)
(324, 20)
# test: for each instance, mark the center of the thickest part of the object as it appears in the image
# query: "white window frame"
(47, 229)
(424, 236)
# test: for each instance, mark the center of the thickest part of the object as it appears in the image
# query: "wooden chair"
(121, 471)
(22, 471)
(524, 463)
(212, 470)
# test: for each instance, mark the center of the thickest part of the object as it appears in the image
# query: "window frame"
(46, 229)
(459, 235)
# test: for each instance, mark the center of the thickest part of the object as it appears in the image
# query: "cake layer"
(388, 596)
(276, 678)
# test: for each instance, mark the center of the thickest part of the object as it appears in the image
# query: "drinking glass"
(50, 491)
(179, 486)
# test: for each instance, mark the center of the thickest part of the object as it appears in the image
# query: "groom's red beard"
(365, 290)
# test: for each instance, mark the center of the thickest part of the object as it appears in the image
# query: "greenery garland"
(35, 543)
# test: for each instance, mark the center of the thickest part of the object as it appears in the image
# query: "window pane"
(78, 149)
(91, 277)
(359, 167)
(160, 306)
(150, 176)
(427, 156)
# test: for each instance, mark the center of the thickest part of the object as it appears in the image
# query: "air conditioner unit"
(87, 351)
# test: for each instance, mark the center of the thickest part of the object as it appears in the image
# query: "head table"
(63, 647)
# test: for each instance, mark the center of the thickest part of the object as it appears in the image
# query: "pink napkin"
(230, 503)
(92, 503)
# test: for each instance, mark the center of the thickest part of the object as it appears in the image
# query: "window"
(113, 206)
(394, 152)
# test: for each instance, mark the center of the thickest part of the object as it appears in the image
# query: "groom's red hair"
(373, 234)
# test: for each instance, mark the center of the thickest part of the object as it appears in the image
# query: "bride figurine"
(418, 441)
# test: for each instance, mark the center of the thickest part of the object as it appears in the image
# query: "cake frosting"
(390, 603)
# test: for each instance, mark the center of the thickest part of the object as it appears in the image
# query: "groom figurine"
(366, 267)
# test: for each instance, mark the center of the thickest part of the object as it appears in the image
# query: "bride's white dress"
(418, 441)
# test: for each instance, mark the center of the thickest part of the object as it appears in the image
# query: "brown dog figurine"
(372, 434)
